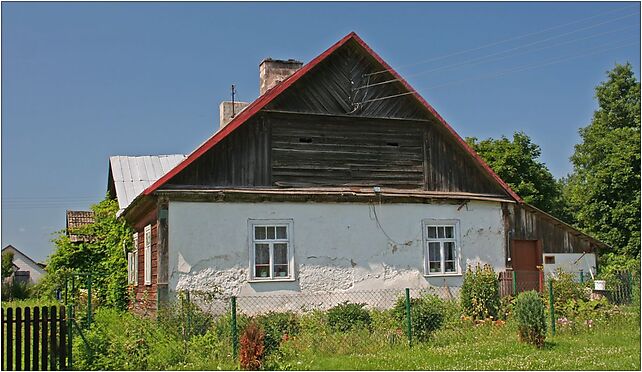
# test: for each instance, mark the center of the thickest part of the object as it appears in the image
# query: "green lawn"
(612, 345)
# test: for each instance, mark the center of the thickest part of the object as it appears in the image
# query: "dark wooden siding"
(319, 150)
(333, 87)
(240, 159)
(529, 224)
(450, 168)
(323, 150)
(319, 132)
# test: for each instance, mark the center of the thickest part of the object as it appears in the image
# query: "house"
(339, 177)
(25, 270)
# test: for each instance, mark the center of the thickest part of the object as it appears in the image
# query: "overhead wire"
(532, 66)
(482, 58)
(505, 40)
(513, 70)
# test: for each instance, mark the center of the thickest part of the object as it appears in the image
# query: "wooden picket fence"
(34, 339)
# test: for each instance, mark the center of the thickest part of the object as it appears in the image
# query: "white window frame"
(456, 239)
(130, 268)
(135, 259)
(148, 255)
(289, 224)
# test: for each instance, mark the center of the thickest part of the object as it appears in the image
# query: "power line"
(505, 40)
(483, 58)
(532, 66)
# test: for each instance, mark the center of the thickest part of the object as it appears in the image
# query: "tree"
(604, 188)
(516, 162)
(7, 264)
(103, 255)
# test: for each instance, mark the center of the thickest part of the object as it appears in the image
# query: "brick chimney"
(225, 111)
(274, 71)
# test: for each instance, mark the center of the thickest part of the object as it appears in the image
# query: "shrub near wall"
(347, 316)
(480, 293)
(530, 318)
(426, 314)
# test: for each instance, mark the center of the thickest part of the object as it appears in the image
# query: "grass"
(32, 302)
(127, 342)
(612, 345)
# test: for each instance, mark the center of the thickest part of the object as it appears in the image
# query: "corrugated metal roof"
(133, 174)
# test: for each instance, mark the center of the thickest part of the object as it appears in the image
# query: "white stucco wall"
(337, 246)
(571, 263)
(25, 263)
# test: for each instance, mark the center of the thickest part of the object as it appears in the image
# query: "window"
(130, 267)
(441, 247)
(135, 260)
(148, 255)
(271, 249)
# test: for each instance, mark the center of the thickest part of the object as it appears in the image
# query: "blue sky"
(83, 81)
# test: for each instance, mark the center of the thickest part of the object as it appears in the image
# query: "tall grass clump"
(427, 315)
(529, 312)
(480, 293)
(346, 316)
(277, 327)
(567, 291)
(123, 341)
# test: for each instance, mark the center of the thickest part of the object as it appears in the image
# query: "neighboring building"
(75, 221)
(339, 177)
(25, 269)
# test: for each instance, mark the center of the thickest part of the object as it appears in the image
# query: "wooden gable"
(346, 121)
(350, 82)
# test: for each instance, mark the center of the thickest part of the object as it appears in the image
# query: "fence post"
(581, 276)
(552, 305)
(66, 288)
(189, 315)
(235, 338)
(629, 278)
(541, 279)
(514, 273)
(408, 318)
(88, 299)
(70, 337)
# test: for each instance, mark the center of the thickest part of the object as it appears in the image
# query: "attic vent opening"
(305, 140)
(392, 144)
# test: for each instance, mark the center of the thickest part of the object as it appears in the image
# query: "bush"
(566, 289)
(14, 290)
(277, 326)
(426, 316)
(122, 341)
(480, 293)
(223, 325)
(347, 316)
(507, 304)
(252, 347)
(184, 318)
(530, 317)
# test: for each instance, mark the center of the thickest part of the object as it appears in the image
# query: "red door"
(526, 255)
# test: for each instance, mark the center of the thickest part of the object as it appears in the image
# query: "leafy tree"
(7, 264)
(516, 162)
(604, 188)
(103, 256)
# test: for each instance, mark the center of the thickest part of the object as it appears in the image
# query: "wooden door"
(526, 256)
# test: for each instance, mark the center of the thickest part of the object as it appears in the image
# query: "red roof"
(271, 94)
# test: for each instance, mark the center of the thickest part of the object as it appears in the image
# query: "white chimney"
(274, 71)
(228, 111)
